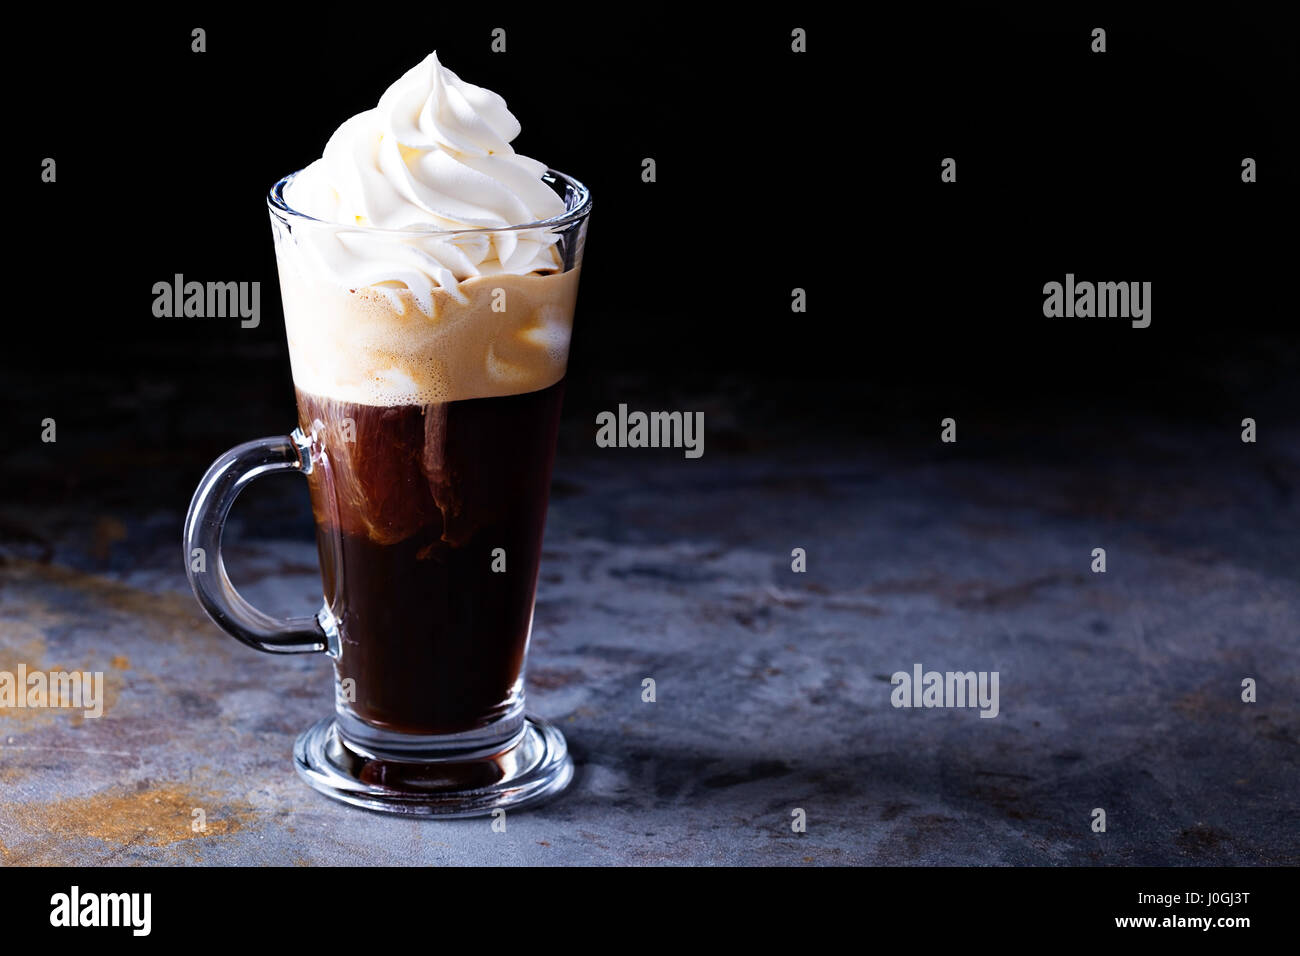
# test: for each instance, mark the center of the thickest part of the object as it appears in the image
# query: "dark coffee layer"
(409, 515)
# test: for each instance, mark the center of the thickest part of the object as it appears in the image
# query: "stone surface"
(1118, 690)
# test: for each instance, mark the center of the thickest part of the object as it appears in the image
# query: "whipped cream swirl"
(433, 156)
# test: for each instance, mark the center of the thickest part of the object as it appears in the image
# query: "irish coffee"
(428, 274)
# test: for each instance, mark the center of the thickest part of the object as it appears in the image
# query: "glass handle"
(206, 569)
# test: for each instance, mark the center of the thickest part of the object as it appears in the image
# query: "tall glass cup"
(427, 418)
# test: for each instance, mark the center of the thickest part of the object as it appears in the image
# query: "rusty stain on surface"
(1201, 838)
(108, 531)
(40, 591)
(551, 678)
(1208, 702)
(21, 636)
(39, 600)
(22, 643)
(156, 816)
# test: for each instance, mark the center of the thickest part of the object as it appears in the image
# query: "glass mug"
(429, 513)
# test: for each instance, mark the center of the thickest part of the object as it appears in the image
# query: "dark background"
(775, 170)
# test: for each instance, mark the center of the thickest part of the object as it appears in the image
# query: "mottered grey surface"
(1120, 691)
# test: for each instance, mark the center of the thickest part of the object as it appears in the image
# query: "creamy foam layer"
(376, 346)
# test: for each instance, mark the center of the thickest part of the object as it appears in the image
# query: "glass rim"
(277, 203)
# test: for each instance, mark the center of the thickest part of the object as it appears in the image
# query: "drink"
(428, 274)
(408, 520)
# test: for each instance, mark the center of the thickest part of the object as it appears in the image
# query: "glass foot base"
(537, 766)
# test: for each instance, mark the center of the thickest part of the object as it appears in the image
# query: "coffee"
(429, 525)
